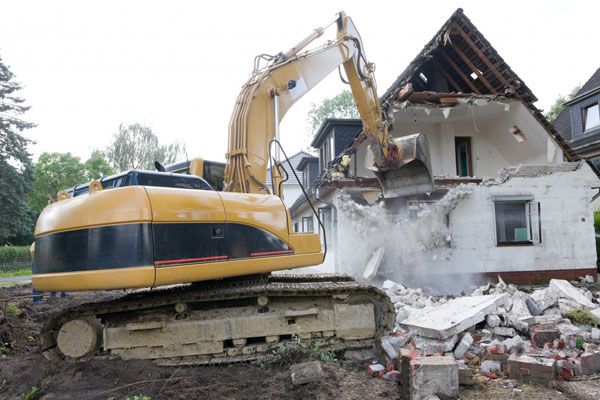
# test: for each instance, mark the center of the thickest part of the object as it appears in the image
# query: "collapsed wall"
(533, 222)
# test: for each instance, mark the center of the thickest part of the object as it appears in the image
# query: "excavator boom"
(273, 89)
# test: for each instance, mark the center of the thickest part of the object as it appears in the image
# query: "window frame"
(527, 201)
(584, 115)
(305, 226)
(469, 141)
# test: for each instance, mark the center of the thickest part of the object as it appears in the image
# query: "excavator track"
(225, 321)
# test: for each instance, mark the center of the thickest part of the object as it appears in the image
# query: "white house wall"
(493, 146)
(568, 238)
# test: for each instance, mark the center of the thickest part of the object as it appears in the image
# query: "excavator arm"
(273, 89)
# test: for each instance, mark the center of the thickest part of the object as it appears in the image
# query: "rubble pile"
(496, 331)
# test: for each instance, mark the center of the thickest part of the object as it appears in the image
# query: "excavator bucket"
(411, 173)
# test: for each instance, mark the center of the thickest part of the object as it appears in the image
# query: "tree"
(136, 147)
(58, 171)
(559, 104)
(54, 172)
(97, 166)
(15, 161)
(339, 106)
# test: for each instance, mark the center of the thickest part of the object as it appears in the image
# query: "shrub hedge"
(13, 258)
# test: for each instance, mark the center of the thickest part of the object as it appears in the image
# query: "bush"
(13, 258)
(597, 221)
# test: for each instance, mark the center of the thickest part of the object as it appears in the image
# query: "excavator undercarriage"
(225, 321)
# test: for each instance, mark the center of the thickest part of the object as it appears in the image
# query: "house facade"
(579, 121)
(291, 187)
(511, 197)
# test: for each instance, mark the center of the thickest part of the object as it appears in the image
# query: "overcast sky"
(177, 66)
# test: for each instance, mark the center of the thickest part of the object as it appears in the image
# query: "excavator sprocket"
(224, 321)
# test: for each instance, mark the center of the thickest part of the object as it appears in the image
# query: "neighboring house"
(527, 222)
(291, 187)
(579, 122)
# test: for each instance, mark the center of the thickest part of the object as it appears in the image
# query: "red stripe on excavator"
(268, 253)
(186, 260)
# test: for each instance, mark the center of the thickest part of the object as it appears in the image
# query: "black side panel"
(248, 241)
(106, 247)
(180, 243)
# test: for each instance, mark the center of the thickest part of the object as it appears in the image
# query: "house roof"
(327, 125)
(468, 63)
(562, 123)
(294, 160)
(590, 85)
(304, 162)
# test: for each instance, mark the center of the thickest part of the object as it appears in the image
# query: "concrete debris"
(374, 263)
(376, 370)
(488, 366)
(463, 346)
(566, 290)
(307, 372)
(492, 320)
(454, 317)
(430, 376)
(498, 329)
(531, 370)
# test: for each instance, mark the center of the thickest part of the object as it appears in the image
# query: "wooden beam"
(464, 57)
(441, 70)
(459, 72)
(485, 60)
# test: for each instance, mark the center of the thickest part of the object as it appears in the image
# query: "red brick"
(590, 363)
(531, 370)
(542, 334)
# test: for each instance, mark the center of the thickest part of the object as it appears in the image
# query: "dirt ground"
(23, 369)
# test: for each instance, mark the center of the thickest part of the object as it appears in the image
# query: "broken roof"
(460, 59)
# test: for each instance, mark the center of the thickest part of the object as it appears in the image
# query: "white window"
(590, 117)
(517, 220)
(307, 224)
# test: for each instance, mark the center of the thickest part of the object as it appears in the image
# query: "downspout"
(334, 229)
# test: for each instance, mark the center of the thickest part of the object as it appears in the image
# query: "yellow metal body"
(156, 205)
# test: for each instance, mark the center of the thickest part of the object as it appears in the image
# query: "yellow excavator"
(207, 254)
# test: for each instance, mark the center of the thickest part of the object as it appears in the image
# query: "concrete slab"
(454, 317)
(566, 290)
(432, 376)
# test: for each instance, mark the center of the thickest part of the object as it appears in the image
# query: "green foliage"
(559, 104)
(13, 309)
(97, 166)
(136, 147)
(14, 258)
(290, 354)
(15, 161)
(32, 394)
(581, 317)
(339, 106)
(54, 172)
(58, 171)
(138, 397)
(597, 221)
(11, 273)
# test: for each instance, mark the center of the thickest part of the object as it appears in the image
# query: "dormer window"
(590, 117)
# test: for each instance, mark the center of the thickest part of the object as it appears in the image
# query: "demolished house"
(511, 198)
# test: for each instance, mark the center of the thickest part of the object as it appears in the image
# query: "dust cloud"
(413, 244)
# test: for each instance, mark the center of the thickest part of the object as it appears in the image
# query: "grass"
(581, 317)
(19, 272)
(290, 354)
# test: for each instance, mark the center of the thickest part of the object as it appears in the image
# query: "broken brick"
(542, 334)
(590, 363)
(375, 369)
(531, 370)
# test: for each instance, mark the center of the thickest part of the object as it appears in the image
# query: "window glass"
(307, 224)
(591, 117)
(511, 222)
